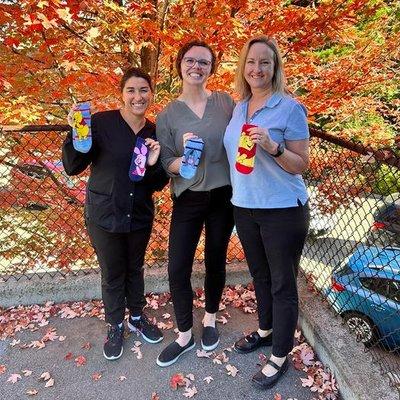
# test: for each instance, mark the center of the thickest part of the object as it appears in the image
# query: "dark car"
(385, 230)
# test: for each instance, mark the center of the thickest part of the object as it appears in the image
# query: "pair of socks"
(81, 130)
(191, 157)
(246, 154)
(140, 154)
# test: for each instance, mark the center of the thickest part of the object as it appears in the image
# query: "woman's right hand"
(188, 135)
(70, 115)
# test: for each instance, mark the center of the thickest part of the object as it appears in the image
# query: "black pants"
(191, 211)
(273, 241)
(121, 259)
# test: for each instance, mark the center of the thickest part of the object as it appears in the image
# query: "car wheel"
(361, 326)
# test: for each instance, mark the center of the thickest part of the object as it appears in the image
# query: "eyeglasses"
(190, 62)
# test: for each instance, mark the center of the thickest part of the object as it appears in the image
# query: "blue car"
(365, 291)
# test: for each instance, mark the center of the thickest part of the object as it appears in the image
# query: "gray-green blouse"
(175, 120)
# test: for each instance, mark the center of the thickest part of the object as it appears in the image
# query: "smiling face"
(196, 74)
(259, 67)
(137, 96)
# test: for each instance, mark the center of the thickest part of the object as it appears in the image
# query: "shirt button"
(128, 215)
(130, 194)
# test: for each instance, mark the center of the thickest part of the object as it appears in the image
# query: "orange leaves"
(176, 381)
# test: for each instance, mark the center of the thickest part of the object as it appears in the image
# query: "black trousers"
(273, 240)
(191, 211)
(121, 259)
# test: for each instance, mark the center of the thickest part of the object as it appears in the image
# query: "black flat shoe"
(252, 342)
(266, 382)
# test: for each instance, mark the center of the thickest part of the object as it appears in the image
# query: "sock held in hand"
(139, 159)
(191, 157)
(81, 130)
(246, 151)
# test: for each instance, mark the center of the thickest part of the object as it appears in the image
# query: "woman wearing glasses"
(203, 200)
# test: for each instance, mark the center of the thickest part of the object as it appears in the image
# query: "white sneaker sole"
(168, 363)
(210, 348)
(112, 358)
(133, 329)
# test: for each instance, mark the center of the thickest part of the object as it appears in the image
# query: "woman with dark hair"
(119, 211)
(269, 197)
(203, 200)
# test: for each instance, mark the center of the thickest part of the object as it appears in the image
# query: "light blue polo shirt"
(268, 185)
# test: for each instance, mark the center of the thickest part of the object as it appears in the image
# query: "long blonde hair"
(278, 80)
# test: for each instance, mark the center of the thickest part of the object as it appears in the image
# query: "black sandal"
(266, 382)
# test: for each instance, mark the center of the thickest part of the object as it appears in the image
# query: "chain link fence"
(351, 258)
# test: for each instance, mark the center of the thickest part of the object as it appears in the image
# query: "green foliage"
(387, 180)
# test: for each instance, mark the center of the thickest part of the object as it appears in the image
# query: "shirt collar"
(272, 102)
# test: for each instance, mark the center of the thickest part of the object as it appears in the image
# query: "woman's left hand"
(154, 151)
(261, 137)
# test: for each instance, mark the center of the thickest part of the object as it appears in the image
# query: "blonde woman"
(270, 203)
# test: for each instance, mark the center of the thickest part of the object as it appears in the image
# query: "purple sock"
(139, 159)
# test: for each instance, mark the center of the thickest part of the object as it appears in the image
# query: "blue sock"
(191, 158)
(135, 318)
(139, 160)
(81, 131)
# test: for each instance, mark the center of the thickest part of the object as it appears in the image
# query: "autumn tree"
(341, 59)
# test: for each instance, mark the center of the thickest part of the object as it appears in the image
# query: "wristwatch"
(279, 150)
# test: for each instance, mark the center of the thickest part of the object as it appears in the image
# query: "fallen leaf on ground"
(277, 396)
(32, 392)
(45, 376)
(80, 361)
(86, 346)
(62, 338)
(49, 383)
(96, 376)
(137, 343)
(166, 316)
(203, 354)
(15, 342)
(232, 370)
(190, 376)
(137, 351)
(222, 319)
(190, 391)
(122, 378)
(155, 396)
(26, 372)
(208, 379)
(176, 380)
(3, 369)
(165, 326)
(307, 382)
(14, 378)
(68, 356)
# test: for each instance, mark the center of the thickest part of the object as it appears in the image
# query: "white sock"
(263, 333)
(209, 319)
(184, 338)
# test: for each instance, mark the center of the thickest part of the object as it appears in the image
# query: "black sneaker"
(209, 338)
(113, 349)
(150, 332)
(172, 353)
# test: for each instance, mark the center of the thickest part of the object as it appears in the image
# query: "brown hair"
(137, 73)
(186, 47)
(278, 80)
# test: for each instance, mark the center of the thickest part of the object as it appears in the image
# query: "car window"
(385, 287)
(394, 290)
(376, 285)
